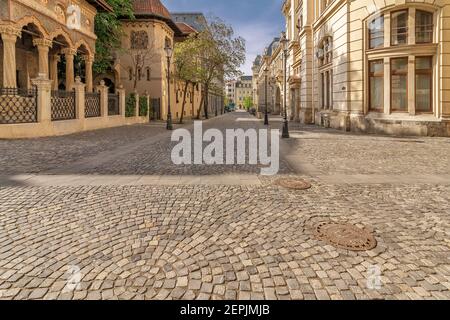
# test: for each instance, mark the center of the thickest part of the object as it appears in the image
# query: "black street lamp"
(266, 115)
(169, 52)
(284, 42)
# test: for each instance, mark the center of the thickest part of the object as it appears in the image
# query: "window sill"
(401, 116)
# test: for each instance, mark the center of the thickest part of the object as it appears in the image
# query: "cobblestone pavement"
(200, 241)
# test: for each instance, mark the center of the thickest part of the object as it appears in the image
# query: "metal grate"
(113, 104)
(63, 105)
(18, 105)
(345, 236)
(293, 183)
(92, 105)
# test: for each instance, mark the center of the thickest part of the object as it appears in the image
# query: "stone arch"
(35, 22)
(374, 11)
(60, 32)
(82, 43)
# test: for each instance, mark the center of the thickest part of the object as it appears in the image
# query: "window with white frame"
(325, 59)
(405, 77)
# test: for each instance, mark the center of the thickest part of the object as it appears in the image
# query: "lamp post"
(266, 115)
(284, 42)
(168, 49)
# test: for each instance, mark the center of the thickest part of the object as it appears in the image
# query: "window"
(399, 27)
(139, 74)
(148, 74)
(130, 74)
(376, 84)
(424, 84)
(424, 27)
(376, 33)
(399, 84)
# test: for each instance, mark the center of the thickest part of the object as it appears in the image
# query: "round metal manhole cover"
(293, 183)
(345, 236)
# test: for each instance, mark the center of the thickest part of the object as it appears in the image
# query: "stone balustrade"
(45, 100)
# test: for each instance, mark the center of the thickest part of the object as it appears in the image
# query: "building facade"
(47, 52)
(230, 91)
(243, 90)
(376, 67)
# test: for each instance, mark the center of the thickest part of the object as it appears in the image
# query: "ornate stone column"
(103, 90)
(43, 46)
(9, 36)
(54, 59)
(70, 78)
(88, 61)
(43, 86)
(80, 99)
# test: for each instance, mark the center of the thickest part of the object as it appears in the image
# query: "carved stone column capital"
(9, 32)
(89, 58)
(69, 51)
(42, 42)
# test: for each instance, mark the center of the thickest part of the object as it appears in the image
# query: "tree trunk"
(206, 102)
(186, 85)
(199, 110)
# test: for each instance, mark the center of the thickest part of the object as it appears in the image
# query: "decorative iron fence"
(18, 105)
(92, 105)
(113, 104)
(63, 105)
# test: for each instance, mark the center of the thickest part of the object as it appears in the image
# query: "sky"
(257, 21)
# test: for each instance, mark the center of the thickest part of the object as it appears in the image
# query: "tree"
(186, 65)
(248, 102)
(220, 55)
(108, 29)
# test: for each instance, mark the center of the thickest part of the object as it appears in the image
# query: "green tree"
(220, 55)
(248, 102)
(108, 29)
(186, 65)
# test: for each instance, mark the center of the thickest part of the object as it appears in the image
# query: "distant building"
(243, 90)
(196, 20)
(230, 91)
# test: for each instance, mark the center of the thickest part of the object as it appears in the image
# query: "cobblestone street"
(106, 215)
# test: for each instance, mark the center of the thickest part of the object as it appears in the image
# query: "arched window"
(139, 74)
(148, 74)
(325, 57)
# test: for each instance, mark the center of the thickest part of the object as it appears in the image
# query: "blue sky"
(257, 21)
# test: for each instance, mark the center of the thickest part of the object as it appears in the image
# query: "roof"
(196, 20)
(272, 47)
(185, 28)
(246, 78)
(101, 5)
(154, 9)
(150, 7)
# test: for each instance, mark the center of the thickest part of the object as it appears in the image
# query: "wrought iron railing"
(18, 105)
(92, 105)
(63, 105)
(113, 104)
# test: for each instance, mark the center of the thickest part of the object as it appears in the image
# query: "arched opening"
(79, 62)
(58, 62)
(278, 100)
(27, 56)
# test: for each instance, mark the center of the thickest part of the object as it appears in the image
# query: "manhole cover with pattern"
(293, 183)
(345, 236)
